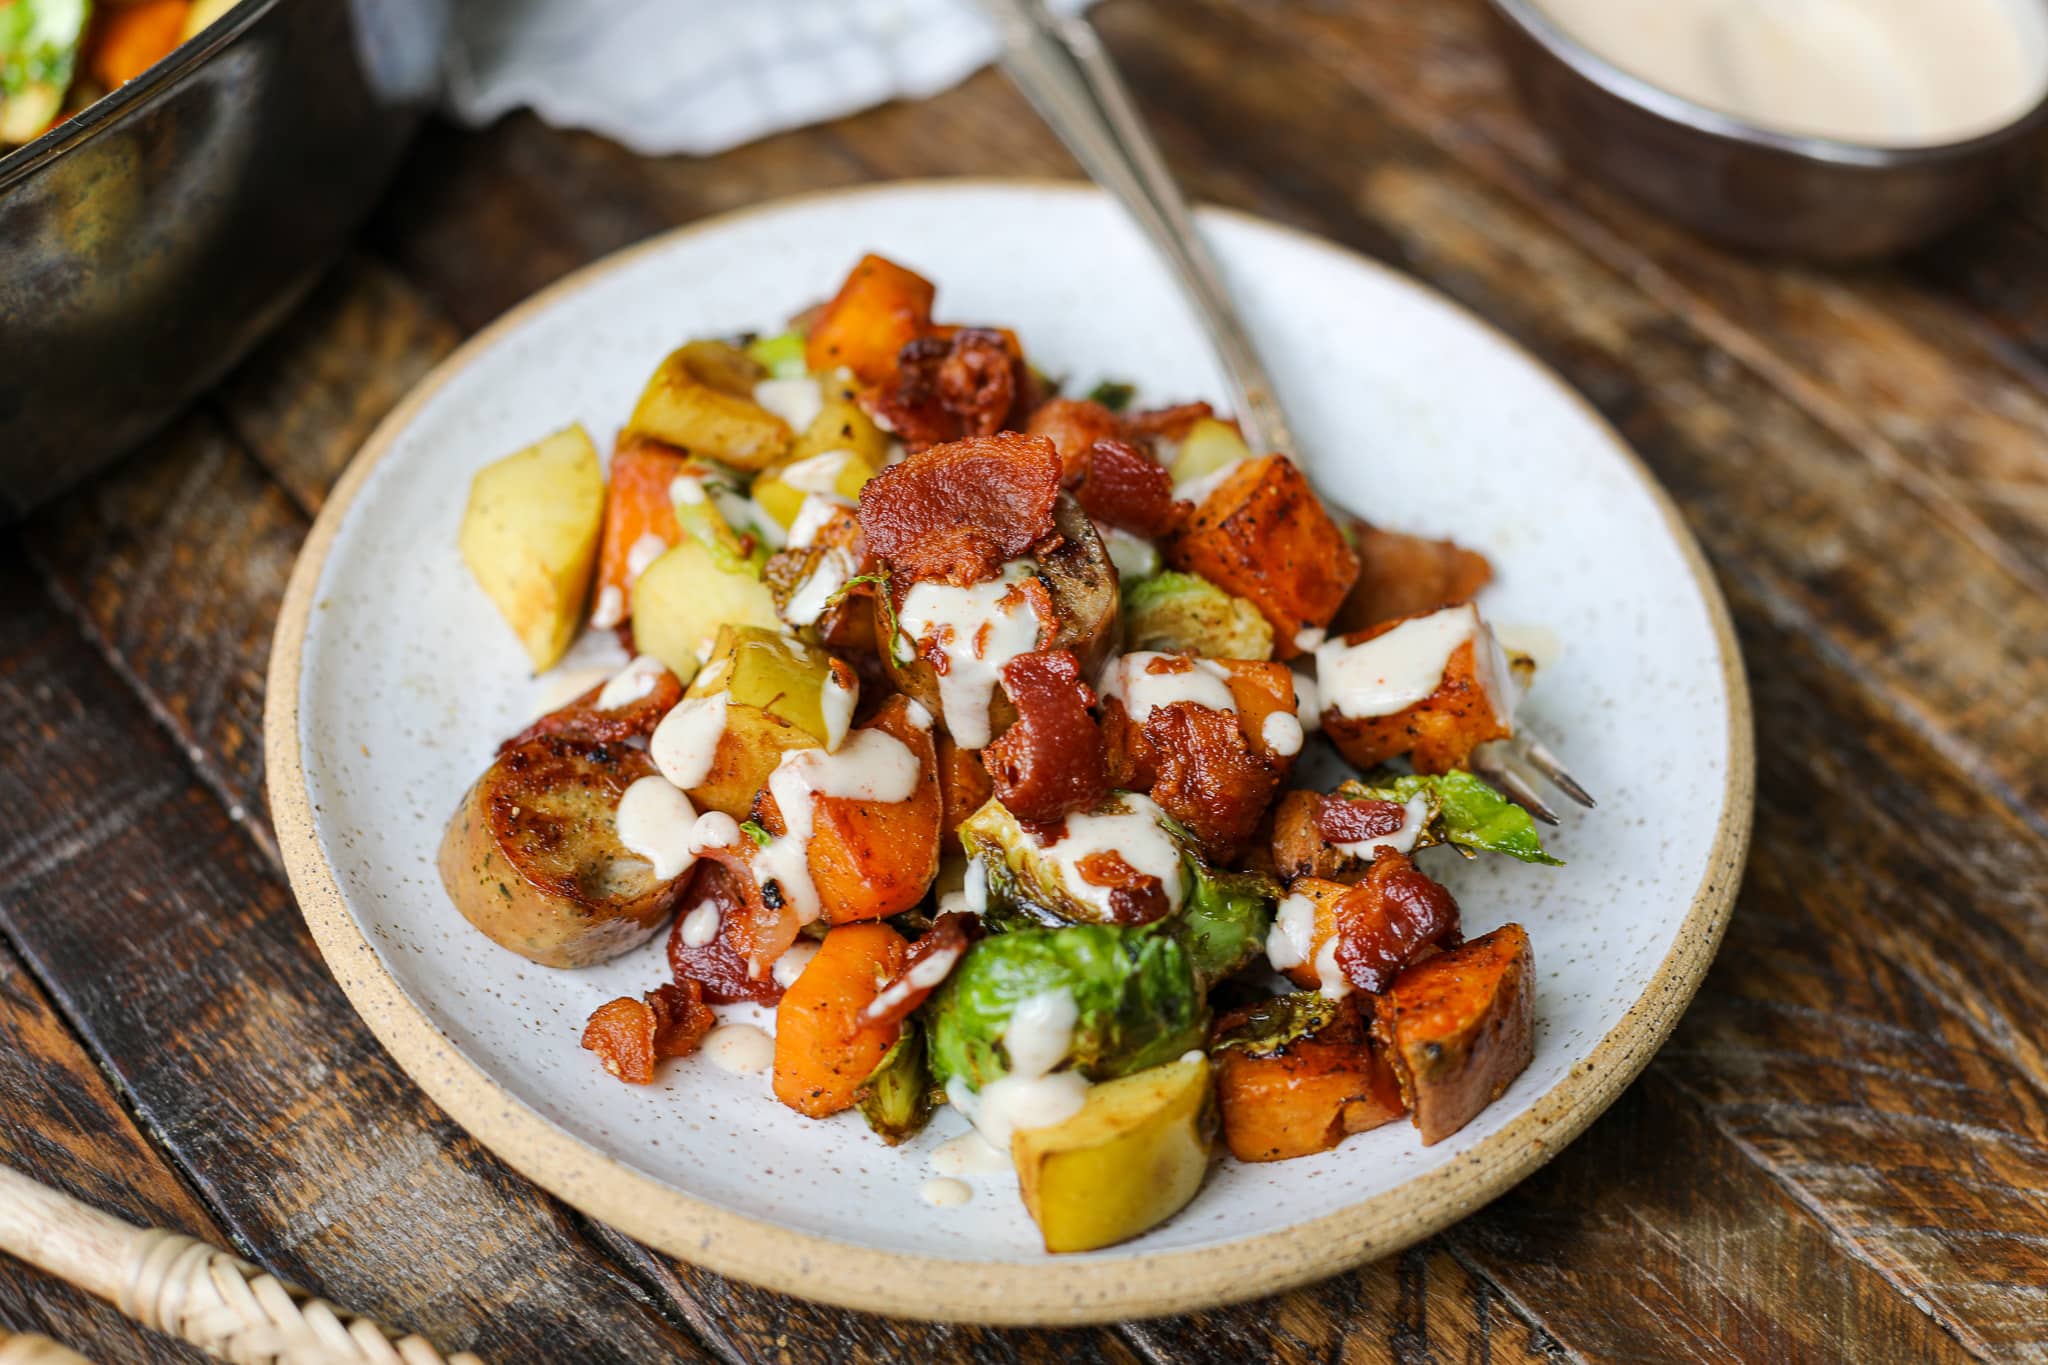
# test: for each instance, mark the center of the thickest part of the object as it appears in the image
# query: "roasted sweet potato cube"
(637, 512)
(1263, 535)
(1307, 923)
(1459, 1027)
(964, 786)
(878, 310)
(1308, 1095)
(1470, 706)
(1299, 848)
(1263, 690)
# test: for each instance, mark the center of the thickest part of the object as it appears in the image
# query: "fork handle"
(184, 1288)
(1058, 61)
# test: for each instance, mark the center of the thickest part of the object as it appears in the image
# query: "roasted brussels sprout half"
(896, 1099)
(1184, 613)
(1464, 811)
(1134, 989)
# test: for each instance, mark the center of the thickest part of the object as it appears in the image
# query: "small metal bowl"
(1811, 197)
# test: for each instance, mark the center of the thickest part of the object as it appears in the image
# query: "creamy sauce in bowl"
(1879, 73)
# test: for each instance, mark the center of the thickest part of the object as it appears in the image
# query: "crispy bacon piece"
(956, 512)
(1197, 764)
(582, 721)
(629, 1036)
(1387, 919)
(1403, 575)
(1171, 423)
(950, 387)
(1073, 425)
(931, 958)
(1134, 897)
(1050, 763)
(1126, 488)
(718, 966)
(1343, 820)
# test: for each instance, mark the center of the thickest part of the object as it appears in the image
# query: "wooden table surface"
(1843, 1152)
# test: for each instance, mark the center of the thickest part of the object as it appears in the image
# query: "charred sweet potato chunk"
(1299, 847)
(629, 1036)
(1437, 733)
(964, 785)
(957, 512)
(1264, 536)
(1460, 1027)
(1050, 763)
(1307, 1094)
(1119, 485)
(879, 309)
(1403, 575)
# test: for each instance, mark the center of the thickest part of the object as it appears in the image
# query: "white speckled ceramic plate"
(392, 680)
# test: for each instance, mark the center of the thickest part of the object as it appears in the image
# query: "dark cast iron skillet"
(148, 242)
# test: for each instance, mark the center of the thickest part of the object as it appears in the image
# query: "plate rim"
(1057, 1291)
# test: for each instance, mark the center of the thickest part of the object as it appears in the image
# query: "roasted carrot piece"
(1308, 1094)
(1459, 1027)
(878, 310)
(874, 859)
(636, 506)
(130, 39)
(1263, 535)
(823, 1048)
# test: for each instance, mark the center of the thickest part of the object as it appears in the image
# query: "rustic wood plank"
(312, 394)
(184, 964)
(1423, 1305)
(66, 1128)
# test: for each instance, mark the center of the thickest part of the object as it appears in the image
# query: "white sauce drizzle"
(794, 959)
(872, 765)
(1328, 973)
(1308, 701)
(687, 489)
(811, 518)
(1414, 817)
(812, 596)
(1031, 1095)
(1293, 935)
(610, 608)
(1282, 733)
(631, 683)
(739, 1048)
(944, 1192)
(835, 703)
(644, 552)
(1132, 556)
(1309, 639)
(796, 401)
(925, 976)
(1194, 1054)
(686, 742)
(1197, 490)
(1137, 834)
(819, 474)
(974, 887)
(700, 926)
(656, 821)
(1130, 679)
(976, 630)
(970, 1154)
(1392, 672)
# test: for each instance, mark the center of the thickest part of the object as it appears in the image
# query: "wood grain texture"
(1842, 1155)
(66, 1128)
(181, 960)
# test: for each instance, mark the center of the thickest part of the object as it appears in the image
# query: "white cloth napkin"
(703, 75)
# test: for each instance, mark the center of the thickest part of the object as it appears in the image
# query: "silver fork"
(1058, 61)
